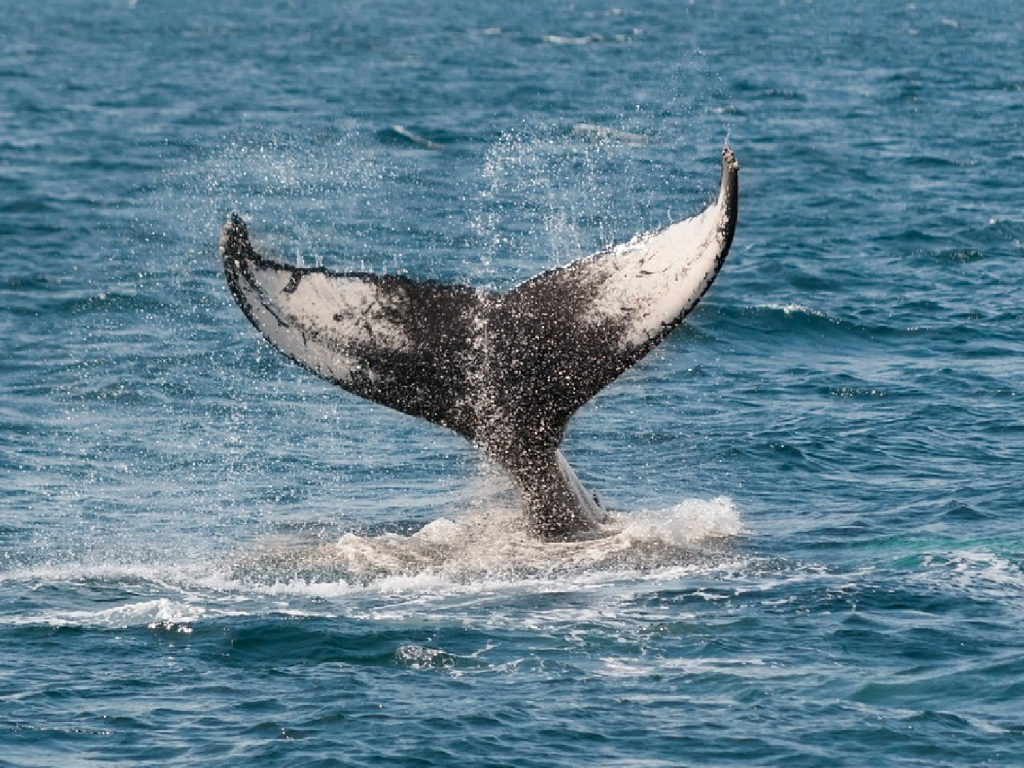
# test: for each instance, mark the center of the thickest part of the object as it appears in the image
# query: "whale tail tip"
(729, 159)
(234, 239)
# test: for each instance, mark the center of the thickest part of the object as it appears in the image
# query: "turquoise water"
(207, 555)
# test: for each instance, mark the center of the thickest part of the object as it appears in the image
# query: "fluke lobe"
(505, 370)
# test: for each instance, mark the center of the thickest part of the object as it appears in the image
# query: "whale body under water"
(506, 370)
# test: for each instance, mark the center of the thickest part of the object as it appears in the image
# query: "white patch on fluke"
(657, 278)
(320, 319)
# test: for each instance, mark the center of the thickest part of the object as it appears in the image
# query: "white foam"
(975, 572)
(160, 612)
(491, 549)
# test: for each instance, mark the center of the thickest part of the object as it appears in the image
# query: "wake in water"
(495, 545)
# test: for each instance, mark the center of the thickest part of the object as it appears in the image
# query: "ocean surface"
(209, 556)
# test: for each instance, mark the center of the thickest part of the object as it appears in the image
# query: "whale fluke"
(505, 370)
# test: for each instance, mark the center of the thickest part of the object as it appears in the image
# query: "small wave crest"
(493, 546)
(159, 613)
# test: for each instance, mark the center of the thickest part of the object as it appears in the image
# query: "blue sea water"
(209, 556)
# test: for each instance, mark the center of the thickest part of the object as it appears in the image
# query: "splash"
(493, 546)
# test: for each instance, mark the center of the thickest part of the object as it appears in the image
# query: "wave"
(403, 136)
(781, 321)
(572, 39)
(161, 612)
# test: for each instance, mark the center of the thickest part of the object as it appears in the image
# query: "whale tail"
(505, 370)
